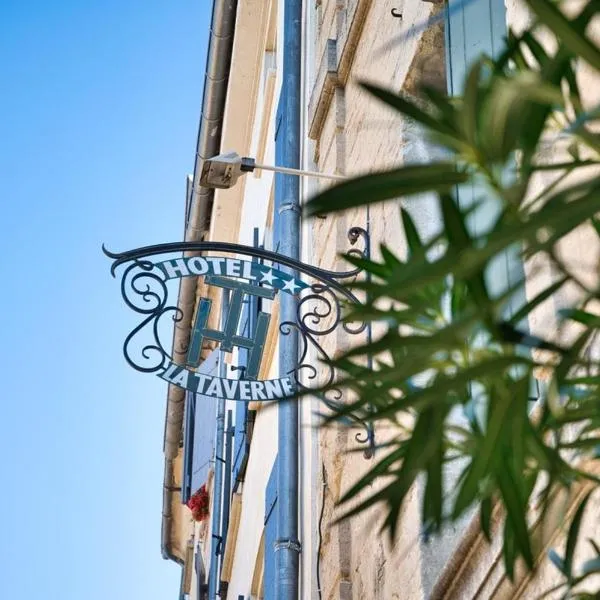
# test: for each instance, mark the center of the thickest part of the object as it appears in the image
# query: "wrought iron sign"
(243, 271)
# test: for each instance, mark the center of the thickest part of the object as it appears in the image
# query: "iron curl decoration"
(145, 292)
(323, 301)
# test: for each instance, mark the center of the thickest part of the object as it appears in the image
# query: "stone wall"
(353, 133)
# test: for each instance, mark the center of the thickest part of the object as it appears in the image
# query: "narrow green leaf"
(413, 240)
(406, 107)
(434, 492)
(528, 308)
(536, 49)
(487, 455)
(485, 517)
(575, 164)
(404, 181)
(460, 239)
(516, 511)
(512, 335)
(381, 468)
(581, 316)
(573, 535)
(509, 549)
(584, 444)
(596, 225)
(471, 102)
(552, 72)
(571, 37)
(443, 104)
(390, 259)
(594, 546)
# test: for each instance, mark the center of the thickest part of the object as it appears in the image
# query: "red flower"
(199, 504)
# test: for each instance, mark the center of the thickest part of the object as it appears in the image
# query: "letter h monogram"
(228, 338)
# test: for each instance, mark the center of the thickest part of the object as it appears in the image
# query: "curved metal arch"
(330, 277)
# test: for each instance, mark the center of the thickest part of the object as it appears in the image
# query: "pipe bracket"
(289, 206)
(288, 544)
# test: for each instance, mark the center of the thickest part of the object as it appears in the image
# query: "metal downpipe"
(216, 78)
(287, 207)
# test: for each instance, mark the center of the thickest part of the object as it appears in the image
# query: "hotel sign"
(147, 289)
(241, 278)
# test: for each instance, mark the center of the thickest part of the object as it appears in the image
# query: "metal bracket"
(288, 544)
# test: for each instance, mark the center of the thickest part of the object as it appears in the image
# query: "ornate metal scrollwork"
(323, 299)
(145, 292)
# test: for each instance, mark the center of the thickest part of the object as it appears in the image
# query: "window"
(199, 440)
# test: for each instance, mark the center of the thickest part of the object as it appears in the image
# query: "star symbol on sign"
(267, 277)
(290, 285)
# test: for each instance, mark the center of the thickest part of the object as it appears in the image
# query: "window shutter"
(279, 150)
(472, 29)
(241, 408)
(199, 434)
(248, 325)
(188, 441)
(269, 576)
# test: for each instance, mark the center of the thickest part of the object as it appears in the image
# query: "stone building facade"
(397, 44)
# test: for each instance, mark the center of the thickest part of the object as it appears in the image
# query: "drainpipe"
(198, 214)
(287, 546)
(217, 540)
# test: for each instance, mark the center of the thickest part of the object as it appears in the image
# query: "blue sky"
(99, 106)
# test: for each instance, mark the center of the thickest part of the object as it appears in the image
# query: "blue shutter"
(202, 428)
(248, 324)
(241, 408)
(188, 444)
(279, 151)
(269, 577)
(472, 29)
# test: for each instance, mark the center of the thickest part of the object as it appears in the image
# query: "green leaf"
(596, 225)
(381, 468)
(434, 491)
(471, 102)
(516, 511)
(553, 73)
(376, 187)
(544, 295)
(506, 109)
(512, 335)
(573, 535)
(571, 37)
(410, 109)
(574, 164)
(413, 240)
(595, 546)
(459, 239)
(581, 316)
(390, 259)
(488, 450)
(485, 517)
(509, 550)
